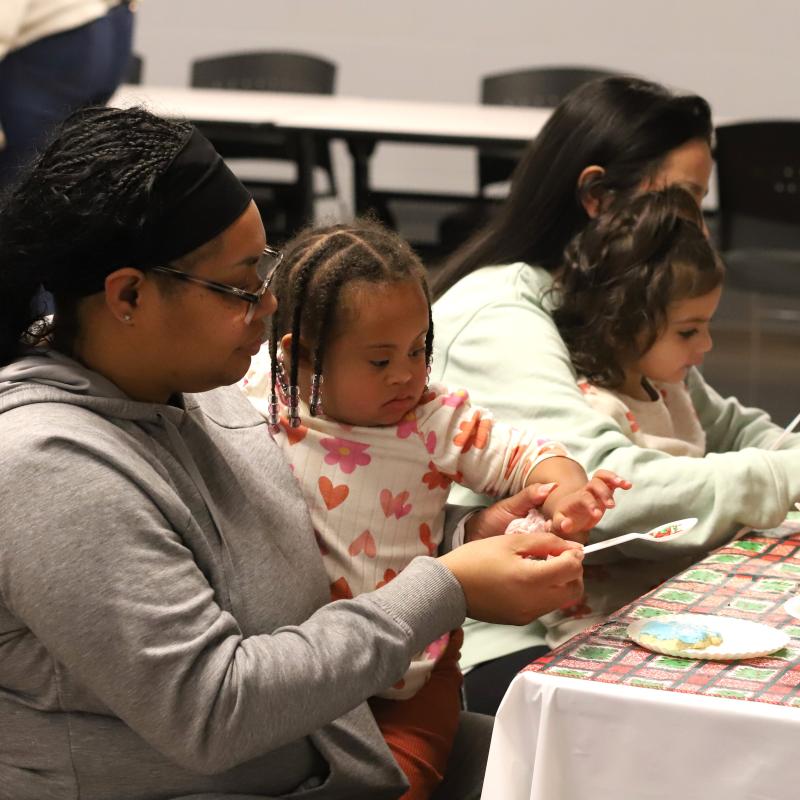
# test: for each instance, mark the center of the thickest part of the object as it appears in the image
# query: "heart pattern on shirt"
(425, 538)
(395, 505)
(332, 495)
(388, 575)
(340, 590)
(293, 435)
(516, 454)
(363, 542)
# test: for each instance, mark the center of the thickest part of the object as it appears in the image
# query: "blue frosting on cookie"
(682, 631)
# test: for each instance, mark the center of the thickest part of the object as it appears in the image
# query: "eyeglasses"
(265, 269)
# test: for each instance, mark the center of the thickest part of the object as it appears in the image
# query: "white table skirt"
(568, 739)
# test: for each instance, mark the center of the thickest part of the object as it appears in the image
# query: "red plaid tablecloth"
(750, 579)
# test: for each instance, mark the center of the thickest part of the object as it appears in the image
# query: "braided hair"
(317, 265)
(620, 275)
(74, 216)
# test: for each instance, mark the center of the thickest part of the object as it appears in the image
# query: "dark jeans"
(43, 83)
(485, 685)
(467, 764)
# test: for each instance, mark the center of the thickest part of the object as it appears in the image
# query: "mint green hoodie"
(495, 336)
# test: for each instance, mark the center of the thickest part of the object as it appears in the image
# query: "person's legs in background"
(43, 83)
(485, 684)
(463, 779)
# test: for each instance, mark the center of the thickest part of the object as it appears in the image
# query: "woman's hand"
(515, 579)
(494, 519)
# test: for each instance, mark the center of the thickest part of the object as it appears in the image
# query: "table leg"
(361, 151)
(303, 213)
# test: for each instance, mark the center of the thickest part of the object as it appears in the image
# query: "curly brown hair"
(621, 273)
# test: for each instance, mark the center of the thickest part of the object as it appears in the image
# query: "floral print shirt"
(377, 495)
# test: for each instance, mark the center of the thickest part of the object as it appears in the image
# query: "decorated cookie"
(678, 637)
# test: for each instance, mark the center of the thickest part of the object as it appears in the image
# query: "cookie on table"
(677, 637)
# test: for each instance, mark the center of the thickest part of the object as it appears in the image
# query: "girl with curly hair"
(637, 291)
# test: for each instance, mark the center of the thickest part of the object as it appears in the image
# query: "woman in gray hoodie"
(165, 624)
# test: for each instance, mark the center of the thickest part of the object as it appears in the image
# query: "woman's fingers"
(515, 579)
(532, 495)
(541, 545)
(493, 520)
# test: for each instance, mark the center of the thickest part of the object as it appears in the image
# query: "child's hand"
(577, 512)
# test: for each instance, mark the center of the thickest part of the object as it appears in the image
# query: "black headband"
(195, 199)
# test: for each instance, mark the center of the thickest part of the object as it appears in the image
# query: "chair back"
(134, 72)
(543, 87)
(266, 72)
(758, 174)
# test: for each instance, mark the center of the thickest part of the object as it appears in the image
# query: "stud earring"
(127, 317)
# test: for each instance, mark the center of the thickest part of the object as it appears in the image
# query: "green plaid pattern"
(750, 579)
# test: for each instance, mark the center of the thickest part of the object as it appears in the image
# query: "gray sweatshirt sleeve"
(103, 578)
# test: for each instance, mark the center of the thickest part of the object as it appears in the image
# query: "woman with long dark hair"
(606, 142)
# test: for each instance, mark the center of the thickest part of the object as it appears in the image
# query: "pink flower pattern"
(346, 453)
(455, 399)
(632, 421)
(433, 652)
(360, 558)
(407, 425)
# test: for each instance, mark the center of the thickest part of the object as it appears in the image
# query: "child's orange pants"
(420, 731)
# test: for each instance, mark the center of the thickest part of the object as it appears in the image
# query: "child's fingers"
(601, 491)
(568, 527)
(612, 480)
(560, 523)
(587, 502)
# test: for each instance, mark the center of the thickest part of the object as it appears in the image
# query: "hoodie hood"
(47, 376)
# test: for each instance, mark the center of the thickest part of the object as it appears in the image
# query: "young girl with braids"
(638, 289)
(375, 449)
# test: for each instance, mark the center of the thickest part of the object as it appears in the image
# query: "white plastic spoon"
(661, 533)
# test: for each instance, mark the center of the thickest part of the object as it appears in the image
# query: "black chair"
(270, 72)
(134, 73)
(758, 174)
(539, 87)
